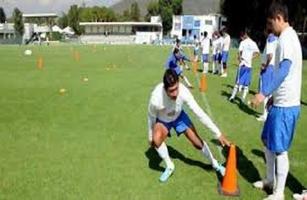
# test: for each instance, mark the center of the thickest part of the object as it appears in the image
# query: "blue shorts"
(216, 57)
(205, 58)
(244, 75)
(177, 69)
(266, 76)
(181, 124)
(224, 56)
(278, 130)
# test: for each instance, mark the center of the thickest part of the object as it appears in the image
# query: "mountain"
(192, 7)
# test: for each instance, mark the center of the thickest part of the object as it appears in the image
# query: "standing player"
(247, 51)
(172, 63)
(285, 88)
(205, 45)
(216, 50)
(225, 50)
(267, 68)
(165, 111)
(196, 49)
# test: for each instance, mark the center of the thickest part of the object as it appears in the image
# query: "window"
(208, 22)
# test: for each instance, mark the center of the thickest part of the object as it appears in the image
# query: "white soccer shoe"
(302, 196)
(221, 169)
(263, 184)
(224, 75)
(166, 174)
(275, 196)
(261, 118)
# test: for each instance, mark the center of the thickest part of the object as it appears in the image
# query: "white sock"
(163, 153)
(213, 67)
(234, 91)
(221, 68)
(282, 163)
(207, 153)
(245, 91)
(265, 112)
(240, 88)
(186, 81)
(270, 165)
(205, 67)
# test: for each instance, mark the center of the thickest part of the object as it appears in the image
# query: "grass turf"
(91, 141)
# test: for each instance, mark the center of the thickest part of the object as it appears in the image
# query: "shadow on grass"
(292, 183)
(242, 106)
(303, 103)
(155, 160)
(252, 92)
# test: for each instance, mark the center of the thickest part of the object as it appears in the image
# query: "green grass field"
(91, 142)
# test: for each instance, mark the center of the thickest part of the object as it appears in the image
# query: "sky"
(47, 6)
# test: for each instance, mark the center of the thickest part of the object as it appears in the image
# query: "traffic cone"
(229, 186)
(40, 62)
(194, 65)
(77, 56)
(203, 83)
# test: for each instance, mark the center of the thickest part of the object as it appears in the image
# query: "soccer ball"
(28, 52)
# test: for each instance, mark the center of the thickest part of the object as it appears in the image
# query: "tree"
(152, 10)
(74, 19)
(166, 16)
(126, 15)
(63, 21)
(2, 16)
(177, 7)
(135, 12)
(18, 22)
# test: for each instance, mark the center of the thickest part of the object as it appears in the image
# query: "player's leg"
(201, 145)
(205, 63)
(160, 133)
(185, 79)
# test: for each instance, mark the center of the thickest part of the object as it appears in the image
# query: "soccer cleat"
(300, 196)
(275, 196)
(231, 99)
(221, 169)
(224, 75)
(263, 184)
(261, 118)
(166, 174)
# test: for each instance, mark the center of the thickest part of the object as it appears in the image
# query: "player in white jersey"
(216, 50)
(267, 68)
(248, 50)
(205, 46)
(285, 88)
(196, 48)
(225, 51)
(165, 111)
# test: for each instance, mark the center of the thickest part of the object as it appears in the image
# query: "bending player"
(165, 111)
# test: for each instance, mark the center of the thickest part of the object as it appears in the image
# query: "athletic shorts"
(205, 58)
(244, 75)
(224, 56)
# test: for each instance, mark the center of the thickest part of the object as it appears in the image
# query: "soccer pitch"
(90, 142)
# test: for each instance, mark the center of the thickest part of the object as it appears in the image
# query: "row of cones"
(40, 60)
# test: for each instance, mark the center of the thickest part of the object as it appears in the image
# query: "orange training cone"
(229, 186)
(194, 65)
(203, 83)
(77, 56)
(40, 62)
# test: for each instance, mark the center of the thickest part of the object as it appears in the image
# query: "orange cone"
(203, 83)
(40, 62)
(77, 56)
(194, 65)
(229, 186)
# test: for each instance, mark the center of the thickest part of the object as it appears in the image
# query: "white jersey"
(270, 49)
(167, 110)
(247, 48)
(289, 47)
(216, 46)
(205, 45)
(226, 42)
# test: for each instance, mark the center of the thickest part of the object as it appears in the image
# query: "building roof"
(37, 15)
(120, 23)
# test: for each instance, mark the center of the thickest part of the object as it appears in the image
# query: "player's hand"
(257, 99)
(223, 140)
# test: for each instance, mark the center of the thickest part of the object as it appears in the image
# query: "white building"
(186, 26)
(122, 32)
